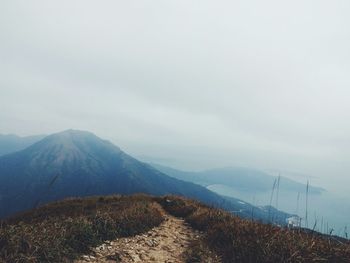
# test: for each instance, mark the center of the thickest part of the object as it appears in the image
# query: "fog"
(191, 84)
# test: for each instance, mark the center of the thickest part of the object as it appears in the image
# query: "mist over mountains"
(78, 163)
(239, 178)
(226, 119)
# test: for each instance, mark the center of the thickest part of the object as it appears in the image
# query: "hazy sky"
(194, 84)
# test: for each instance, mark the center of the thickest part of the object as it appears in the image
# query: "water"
(327, 210)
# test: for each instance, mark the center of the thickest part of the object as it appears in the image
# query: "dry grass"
(61, 231)
(199, 252)
(239, 240)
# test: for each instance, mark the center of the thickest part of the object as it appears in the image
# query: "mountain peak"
(70, 147)
(75, 137)
(70, 133)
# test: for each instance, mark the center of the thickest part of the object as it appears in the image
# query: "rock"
(135, 258)
(86, 258)
(149, 243)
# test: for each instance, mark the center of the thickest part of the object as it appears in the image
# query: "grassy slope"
(61, 231)
(238, 240)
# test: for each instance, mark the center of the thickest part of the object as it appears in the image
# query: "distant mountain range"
(10, 143)
(78, 163)
(240, 179)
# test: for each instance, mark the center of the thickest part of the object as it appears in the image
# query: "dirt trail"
(164, 244)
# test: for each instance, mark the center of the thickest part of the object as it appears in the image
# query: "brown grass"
(61, 231)
(239, 240)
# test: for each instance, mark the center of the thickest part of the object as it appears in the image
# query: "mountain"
(12, 143)
(241, 179)
(78, 163)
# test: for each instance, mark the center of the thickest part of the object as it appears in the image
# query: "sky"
(191, 84)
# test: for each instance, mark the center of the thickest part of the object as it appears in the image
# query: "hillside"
(62, 231)
(143, 228)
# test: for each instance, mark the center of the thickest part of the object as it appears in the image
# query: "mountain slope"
(11, 143)
(77, 163)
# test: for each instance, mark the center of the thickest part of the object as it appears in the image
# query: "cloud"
(203, 83)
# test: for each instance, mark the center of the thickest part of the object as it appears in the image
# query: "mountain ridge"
(241, 178)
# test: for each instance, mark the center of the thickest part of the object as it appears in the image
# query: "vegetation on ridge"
(62, 231)
(239, 240)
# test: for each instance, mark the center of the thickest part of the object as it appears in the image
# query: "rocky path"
(163, 244)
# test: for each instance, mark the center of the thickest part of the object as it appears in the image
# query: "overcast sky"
(192, 84)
